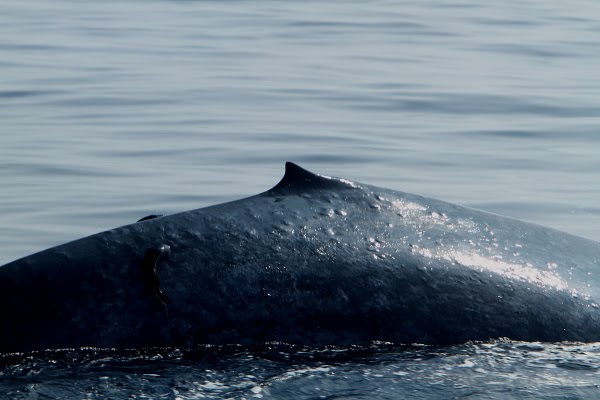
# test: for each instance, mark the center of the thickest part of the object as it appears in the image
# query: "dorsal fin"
(297, 178)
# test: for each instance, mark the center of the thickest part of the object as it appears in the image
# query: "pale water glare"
(113, 110)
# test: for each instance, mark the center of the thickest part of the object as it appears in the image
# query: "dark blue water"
(113, 110)
(500, 370)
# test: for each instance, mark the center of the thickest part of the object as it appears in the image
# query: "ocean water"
(113, 110)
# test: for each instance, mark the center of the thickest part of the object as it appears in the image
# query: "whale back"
(314, 260)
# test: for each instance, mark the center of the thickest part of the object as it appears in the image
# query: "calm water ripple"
(115, 110)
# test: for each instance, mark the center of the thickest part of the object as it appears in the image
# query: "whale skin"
(315, 260)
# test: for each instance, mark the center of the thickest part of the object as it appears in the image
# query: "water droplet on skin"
(326, 212)
(375, 206)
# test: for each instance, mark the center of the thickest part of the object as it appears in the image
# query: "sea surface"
(113, 110)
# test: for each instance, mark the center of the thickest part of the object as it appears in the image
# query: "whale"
(315, 260)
